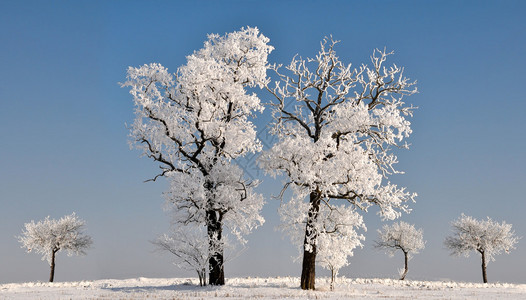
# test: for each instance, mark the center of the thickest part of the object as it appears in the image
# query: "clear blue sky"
(63, 141)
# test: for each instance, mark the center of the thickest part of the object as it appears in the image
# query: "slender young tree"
(190, 247)
(401, 236)
(49, 236)
(487, 237)
(193, 123)
(338, 238)
(335, 127)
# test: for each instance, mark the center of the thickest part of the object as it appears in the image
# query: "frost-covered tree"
(337, 238)
(336, 126)
(487, 237)
(193, 123)
(49, 236)
(190, 247)
(401, 236)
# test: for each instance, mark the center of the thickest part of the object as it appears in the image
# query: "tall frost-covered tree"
(336, 126)
(401, 236)
(49, 236)
(487, 237)
(193, 123)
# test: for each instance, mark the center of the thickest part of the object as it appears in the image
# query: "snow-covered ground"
(260, 288)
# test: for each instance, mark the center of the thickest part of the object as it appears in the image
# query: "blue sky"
(64, 141)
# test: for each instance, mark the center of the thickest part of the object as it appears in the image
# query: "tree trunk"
(308, 271)
(405, 268)
(484, 277)
(333, 277)
(202, 277)
(216, 271)
(52, 272)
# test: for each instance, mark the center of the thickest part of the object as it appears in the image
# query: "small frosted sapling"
(338, 238)
(189, 245)
(49, 236)
(487, 237)
(401, 236)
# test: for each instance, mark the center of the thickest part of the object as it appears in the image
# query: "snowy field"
(260, 288)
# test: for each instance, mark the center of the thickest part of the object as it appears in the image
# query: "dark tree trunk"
(52, 272)
(484, 277)
(406, 259)
(308, 271)
(216, 261)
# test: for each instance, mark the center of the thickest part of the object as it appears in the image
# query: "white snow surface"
(260, 288)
